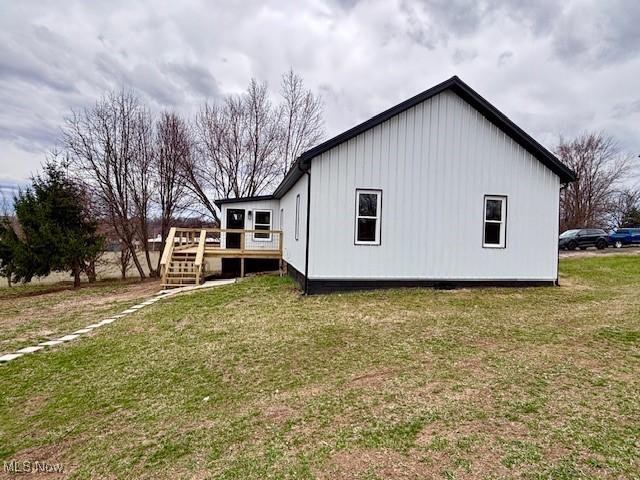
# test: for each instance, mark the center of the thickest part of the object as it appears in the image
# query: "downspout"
(306, 253)
(563, 186)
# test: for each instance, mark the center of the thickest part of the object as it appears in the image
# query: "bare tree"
(302, 121)
(140, 181)
(236, 148)
(173, 149)
(245, 145)
(215, 165)
(625, 208)
(601, 168)
(125, 261)
(263, 141)
(102, 143)
(97, 257)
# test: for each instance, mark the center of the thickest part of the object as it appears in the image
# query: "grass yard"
(253, 381)
(34, 313)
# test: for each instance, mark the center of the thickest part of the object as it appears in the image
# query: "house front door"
(235, 219)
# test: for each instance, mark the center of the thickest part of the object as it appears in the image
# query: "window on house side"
(297, 217)
(495, 221)
(367, 227)
(262, 221)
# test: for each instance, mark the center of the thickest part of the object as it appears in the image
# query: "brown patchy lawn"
(34, 313)
(254, 381)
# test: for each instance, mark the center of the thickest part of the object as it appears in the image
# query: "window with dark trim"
(367, 224)
(297, 217)
(262, 221)
(495, 221)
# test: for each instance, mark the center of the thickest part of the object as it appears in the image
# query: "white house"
(441, 190)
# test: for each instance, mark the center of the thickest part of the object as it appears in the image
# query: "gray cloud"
(41, 64)
(623, 110)
(463, 56)
(196, 78)
(461, 17)
(554, 68)
(504, 57)
(538, 16)
(603, 34)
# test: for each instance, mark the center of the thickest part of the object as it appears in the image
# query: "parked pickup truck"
(583, 238)
(624, 236)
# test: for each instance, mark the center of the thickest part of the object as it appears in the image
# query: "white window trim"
(297, 217)
(378, 193)
(502, 222)
(255, 216)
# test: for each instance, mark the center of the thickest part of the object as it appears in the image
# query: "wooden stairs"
(183, 264)
(181, 270)
(183, 258)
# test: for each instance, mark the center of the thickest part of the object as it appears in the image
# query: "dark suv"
(583, 238)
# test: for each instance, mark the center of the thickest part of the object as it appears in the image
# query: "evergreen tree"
(57, 230)
(9, 245)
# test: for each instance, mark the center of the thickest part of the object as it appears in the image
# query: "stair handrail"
(202, 241)
(167, 253)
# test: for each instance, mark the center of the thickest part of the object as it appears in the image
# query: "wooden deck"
(233, 252)
(183, 259)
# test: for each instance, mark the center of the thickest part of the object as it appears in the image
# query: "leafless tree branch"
(103, 145)
(601, 169)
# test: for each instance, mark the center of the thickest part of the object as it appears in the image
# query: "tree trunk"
(76, 276)
(91, 271)
(143, 232)
(127, 241)
(152, 272)
(136, 260)
(124, 262)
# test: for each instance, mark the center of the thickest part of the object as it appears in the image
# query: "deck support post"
(242, 267)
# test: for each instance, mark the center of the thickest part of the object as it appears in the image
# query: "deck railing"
(246, 240)
(220, 241)
(167, 252)
(223, 238)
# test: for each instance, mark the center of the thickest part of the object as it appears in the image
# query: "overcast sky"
(554, 67)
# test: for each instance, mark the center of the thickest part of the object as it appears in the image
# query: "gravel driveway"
(592, 252)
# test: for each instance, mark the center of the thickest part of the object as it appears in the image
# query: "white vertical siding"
(273, 205)
(294, 251)
(434, 164)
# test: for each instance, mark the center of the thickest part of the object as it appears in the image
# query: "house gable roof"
(461, 89)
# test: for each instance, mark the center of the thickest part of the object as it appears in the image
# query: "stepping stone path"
(66, 338)
(10, 356)
(29, 349)
(89, 328)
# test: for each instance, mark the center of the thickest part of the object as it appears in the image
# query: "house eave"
(221, 201)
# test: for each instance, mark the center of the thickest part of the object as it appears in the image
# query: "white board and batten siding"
(294, 250)
(272, 205)
(283, 214)
(434, 164)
